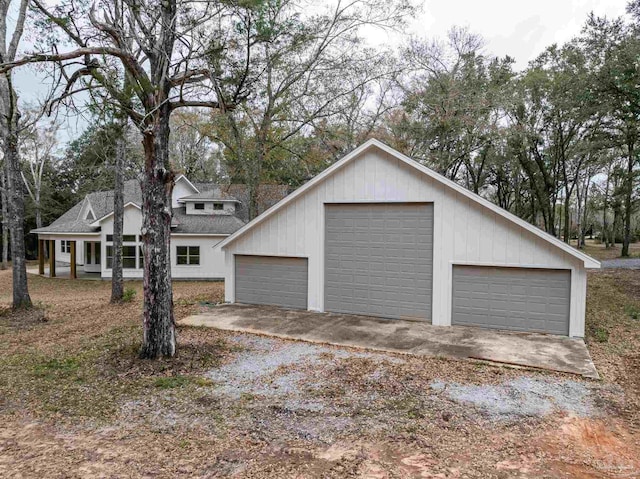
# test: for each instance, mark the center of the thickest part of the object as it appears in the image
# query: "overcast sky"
(519, 28)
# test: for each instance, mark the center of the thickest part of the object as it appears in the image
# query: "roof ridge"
(431, 174)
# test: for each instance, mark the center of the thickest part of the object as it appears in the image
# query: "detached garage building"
(379, 234)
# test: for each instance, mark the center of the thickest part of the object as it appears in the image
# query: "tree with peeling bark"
(117, 286)
(38, 145)
(9, 130)
(4, 260)
(161, 46)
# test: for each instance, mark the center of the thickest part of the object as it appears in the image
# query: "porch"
(64, 272)
(80, 254)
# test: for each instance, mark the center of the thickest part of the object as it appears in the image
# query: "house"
(203, 215)
(379, 234)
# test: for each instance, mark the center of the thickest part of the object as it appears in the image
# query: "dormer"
(209, 203)
(182, 187)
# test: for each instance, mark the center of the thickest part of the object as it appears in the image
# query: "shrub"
(128, 295)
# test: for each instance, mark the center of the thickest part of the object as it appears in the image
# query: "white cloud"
(521, 29)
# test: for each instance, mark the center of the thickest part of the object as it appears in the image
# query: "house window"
(128, 257)
(65, 246)
(187, 255)
(140, 257)
(198, 206)
(218, 206)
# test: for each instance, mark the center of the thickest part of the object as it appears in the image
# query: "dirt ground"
(75, 401)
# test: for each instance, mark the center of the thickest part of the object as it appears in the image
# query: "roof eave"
(587, 260)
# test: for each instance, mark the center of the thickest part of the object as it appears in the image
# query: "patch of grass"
(632, 311)
(171, 382)
(128, 295)
(601, 335)
(54, 368)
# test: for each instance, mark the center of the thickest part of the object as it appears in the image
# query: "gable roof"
(100, 204)
(589, 262)
(111, 213)
(184, 178)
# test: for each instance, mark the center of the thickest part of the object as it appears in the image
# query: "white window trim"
(137, 244)
(200, 250)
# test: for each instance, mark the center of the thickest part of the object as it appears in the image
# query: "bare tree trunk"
(38, 215)
(579, 223)
(157, 185)
(9, 122)
(628, 192)
(605, 205)
(567, 218)
(21, 298)
(117, 289)
(615, 227)
(583, 202)
(5, 223)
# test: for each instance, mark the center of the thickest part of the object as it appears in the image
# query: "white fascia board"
(588, 261)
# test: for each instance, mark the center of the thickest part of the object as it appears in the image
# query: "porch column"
(40, 256)
(52, 258)
(72, 274)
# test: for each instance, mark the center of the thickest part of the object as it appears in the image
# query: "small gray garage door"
(379, 259)
(517, 299)
(276, 280)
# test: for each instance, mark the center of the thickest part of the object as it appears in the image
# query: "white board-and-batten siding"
(465, 232)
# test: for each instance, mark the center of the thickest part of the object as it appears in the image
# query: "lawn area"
(599, 252)
(75, 401)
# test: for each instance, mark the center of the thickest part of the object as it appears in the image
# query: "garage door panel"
(274, 280)
(518, 299)
(380, 258)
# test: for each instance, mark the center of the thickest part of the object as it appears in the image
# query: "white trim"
(108, 215)
(589, 262)
(205, 200)
(86, 200)
(509, 265)
(182, 177)
(200, 234)
(45, 233)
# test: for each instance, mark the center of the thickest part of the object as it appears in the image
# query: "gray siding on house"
(275, 280)
(379, 259)
(517, 299)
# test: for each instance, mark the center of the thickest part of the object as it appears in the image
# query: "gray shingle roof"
(213, 194)
(102, 205)
(204, 224)
(69, 223)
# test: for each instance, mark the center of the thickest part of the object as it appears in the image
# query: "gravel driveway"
(627, 263)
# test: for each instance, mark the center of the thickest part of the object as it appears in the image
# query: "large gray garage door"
(379, 259)
(276, 280)
(517, 299)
